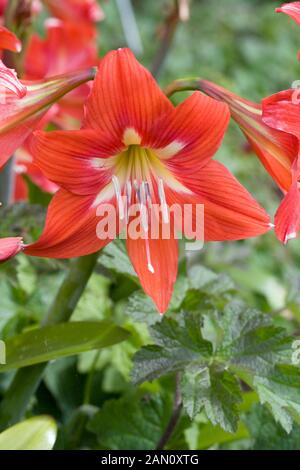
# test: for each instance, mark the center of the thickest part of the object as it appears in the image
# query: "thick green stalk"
(7, 183)
(185, 84)
(27, 380)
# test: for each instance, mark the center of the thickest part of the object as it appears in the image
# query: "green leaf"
(62, 376)
(131, 423)
(249, 341)
(66, 339)
(141, 308)
(178, 343)
(210, 435)
(215, 390)
(90, 308)
(73, 434)
(202, 288)
(38, 433)
(280, 390)
(26, 275)
(207, 290)
(237, 343)
(115, 258)
(267, 434)
(207, 281)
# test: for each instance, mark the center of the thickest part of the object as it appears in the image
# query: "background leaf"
(66, 339)
(37, 433)
(131, 423)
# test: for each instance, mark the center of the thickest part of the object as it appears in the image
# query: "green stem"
(10, 12)
(27, 380)
(7, 183)
(167, 37)
(90, 379)
(174, 419)
(185, 84)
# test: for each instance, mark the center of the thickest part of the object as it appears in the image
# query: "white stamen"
(143, 207)
(128, 191)
(162, 197)
(148, 194)
(128, 198)
(117, 187)
(136, 186)
(149, 262)
(151, 269)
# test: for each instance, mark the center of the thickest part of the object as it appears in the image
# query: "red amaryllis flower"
(9, 247)
(271, 135)
(137, 149)
(19, 117)
(282, 111)
(291, 9)
(67, 47)
(76, 10)
(276, 150)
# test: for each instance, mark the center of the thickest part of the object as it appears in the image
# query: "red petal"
(67, 47)
(76, 10)
(24, 166)
(14, 138)
(69, 158)
(9, 80)
(198, 124)
(124, 96)
(164, 259)
(9, 247)
(291, 9)
(9, 40)
(282, 111)
(2, 6)
(277, 156)
(230, 212)
(70, 228)
(287, 217)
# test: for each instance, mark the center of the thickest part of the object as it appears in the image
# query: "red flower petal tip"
(291, 9)
(9, 40)
(10, 247)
